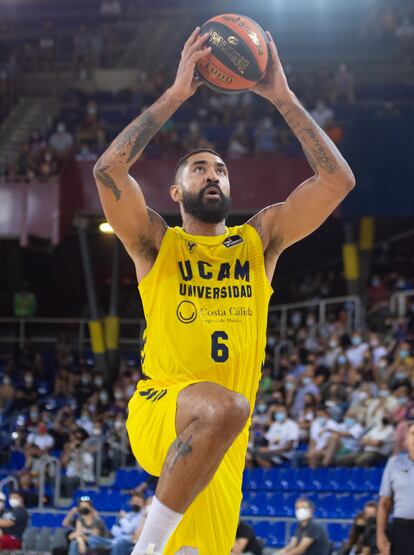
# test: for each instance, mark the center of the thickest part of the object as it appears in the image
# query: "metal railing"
(281, 346)
(8, 479)
(352, 304)
(398, 302)
(45, 462)
(44, 330)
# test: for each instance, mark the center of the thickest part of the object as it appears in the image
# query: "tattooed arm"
(141, 229)
(281, 225)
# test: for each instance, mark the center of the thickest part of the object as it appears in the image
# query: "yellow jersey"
(205, 303)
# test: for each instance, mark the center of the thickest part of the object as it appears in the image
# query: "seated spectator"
(310, 537)
(27, 488)
(355, 353)
(239, 144)
(321, 430)
(246, 541)
(358, 534)
(78, 464)
(376, 445)
(13, 522)
(61, 142)
(344, 441)
(266, 137)
(88, 526)
(26, 394)
(283, 438)
(124, 532)
(47, 166)
(41, 438)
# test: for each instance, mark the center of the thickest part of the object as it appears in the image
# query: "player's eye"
(198, 168)
(221, 171)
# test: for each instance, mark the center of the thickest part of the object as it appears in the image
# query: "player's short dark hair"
(182, 162)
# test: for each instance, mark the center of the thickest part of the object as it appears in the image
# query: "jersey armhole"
(160, 256)
(259, 248)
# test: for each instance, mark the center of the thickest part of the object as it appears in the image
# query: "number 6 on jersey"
(219, 351)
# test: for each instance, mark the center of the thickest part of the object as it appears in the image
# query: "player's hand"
(186, 83)
(383, 544)
(274, 85)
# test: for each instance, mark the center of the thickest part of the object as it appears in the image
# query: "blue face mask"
(306, 380)
(349, 421)
(341, 359)
(279, 416)
(400, 375)
(261, 408)
(403, 401)
(356, 341)
(323, 420)
(403, 353)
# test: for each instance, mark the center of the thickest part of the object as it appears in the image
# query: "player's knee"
(229, 414)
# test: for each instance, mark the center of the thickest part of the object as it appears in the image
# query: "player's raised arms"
(141, 229)
(281, 225)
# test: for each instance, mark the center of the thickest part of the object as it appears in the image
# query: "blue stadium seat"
(319, 479)
(271, 479)
(129, 478)
(372, 479)
(50, 520)
(355, 480)
(288, 479)
(338, 532)
(276, 534)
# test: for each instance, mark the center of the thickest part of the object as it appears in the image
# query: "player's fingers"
(190, 40)
(273, 50)
(197, 44)
(200, 54)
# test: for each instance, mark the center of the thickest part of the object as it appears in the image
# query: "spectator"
(47, 166)
(78, 464)
(321, 430)
(89, 527)
(265, 137)
(376, 445)
(13, 522)
(310, 537)
(358, 534)
(24, 302)
(355, 353)
(7, 393)
(322, 113)
(85, 153)
(246, 541)
(239, 144)
(344, 441)
(397, 491)
(282, 436)
(26, 394)
(124, 531)
(41, 438)
(61, 142)
(344, 85)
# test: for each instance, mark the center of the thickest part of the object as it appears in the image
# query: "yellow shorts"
(210, 523)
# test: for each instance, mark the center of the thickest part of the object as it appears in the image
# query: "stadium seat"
(338, 532)
(276, 534)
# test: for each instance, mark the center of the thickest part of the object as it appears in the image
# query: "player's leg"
(208, 419)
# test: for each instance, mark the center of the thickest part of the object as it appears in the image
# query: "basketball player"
(205, 289)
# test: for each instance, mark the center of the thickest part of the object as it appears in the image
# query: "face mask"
(374, 342)
(98, 382)
(289, 386)
(96, 431)
(28, 380)
(333, 343)
(296, 320)
(34, 415)
(302, 514)
(363, 396)
(403, 353)
(271, 340)
(341, 359)
(84, 417)
(349, 421)
(322, 420)
(84, 511)
(307, 380)
(91, 407)
(279, 416)
(400, 375)
(85, 380)
(118, 425)
(261, 408)
(118, 395)
(403, 401)
(14, 502)
(6, 381)
(383, 393)
(383, 364)
(375, 282)
(356, 341)
(136, 508)
(103, 397)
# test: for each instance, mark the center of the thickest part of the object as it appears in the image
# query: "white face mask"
(14, 502)
(302, 513)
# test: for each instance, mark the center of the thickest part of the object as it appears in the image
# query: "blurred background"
(341, 322)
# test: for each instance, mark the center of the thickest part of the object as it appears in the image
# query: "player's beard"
(210, 211)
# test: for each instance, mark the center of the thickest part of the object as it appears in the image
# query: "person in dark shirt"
(310, 537)
(13, 523)
(246, 541)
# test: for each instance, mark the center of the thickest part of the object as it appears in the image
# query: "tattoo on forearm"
(136, 137)
(322, 158)
(107, 181)
(179, 449)
(318, 157)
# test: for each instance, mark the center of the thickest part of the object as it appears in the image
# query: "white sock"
(160, 524)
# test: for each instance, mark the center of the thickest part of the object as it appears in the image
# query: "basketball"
(239, 54)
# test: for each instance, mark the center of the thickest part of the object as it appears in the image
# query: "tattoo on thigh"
(179, 449)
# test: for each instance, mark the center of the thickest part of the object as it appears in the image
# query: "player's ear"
(175, 192)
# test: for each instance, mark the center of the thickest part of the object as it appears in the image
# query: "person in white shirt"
(283, 438)
(355, 353)
(321, 431)
(375, 446)
(345, 440)
(124, 532)
(41, 438)
(322, 113)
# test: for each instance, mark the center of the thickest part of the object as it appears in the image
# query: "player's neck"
(193, 226)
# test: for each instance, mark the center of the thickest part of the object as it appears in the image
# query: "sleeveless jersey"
(206, 302)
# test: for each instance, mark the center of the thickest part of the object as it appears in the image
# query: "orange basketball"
(239, 54)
